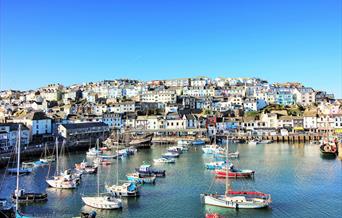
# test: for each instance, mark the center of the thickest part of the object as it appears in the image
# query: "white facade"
(164, 96)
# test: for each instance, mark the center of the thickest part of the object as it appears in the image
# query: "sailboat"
(61, 180)
(237, 199)
(19, 194)
(127, 189)
(102, 201)
(46, 159)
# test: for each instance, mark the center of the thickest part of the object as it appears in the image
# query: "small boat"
(28, 197)
(254, 142)
(85, 167)
(103, 202)
(62, 182)
(20, 170)
(147, 170)
(266, 141)
(175, 149)
(215, 165)
(212, 149)
(93, 152)
(328, 147)
(141, 179)
(183, 142)
(29, 164)
(164, 160)
(198, 142)
(107, 156)
(213, 215)
(128, 189)
(132, 150)
(170, 155)
(234, 154)
(234, 173)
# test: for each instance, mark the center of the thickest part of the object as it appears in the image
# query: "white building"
(37, 122)
(163, 96)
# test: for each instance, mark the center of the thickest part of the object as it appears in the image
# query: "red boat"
(213, 215)
(234, 174)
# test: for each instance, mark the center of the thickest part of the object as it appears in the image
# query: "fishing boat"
(164, 160)
(127, 189)
(141, 179)
(147, 170)
(170, 155)
(329, 146)
(62, 180)
(19, 195)
(84, 167)
(106, 202)
(236, 199)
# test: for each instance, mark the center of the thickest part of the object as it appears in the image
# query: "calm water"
(301, 182)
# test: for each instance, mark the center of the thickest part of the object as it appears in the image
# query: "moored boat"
(170, 155)
(142, 179)
(215, 165)
(29, 197)
(164, 160)
(329, 147)
(198, 142)
(127, 189)
(147, 170)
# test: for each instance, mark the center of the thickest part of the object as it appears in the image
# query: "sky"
(76, 41)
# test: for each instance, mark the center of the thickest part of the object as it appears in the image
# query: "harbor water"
(302, 184)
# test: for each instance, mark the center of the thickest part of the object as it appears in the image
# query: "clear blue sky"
(73, 41)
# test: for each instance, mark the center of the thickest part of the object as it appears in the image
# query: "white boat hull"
(61, 184)
(223, 201)
(102, 202)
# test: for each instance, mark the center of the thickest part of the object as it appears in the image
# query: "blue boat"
(21, 170)
(198, 142)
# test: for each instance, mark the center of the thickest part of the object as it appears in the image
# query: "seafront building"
(244, 105)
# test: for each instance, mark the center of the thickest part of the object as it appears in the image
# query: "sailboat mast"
(98, 182)
(57, 158)
(18, 166)
(117, 159)
(227, 166)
